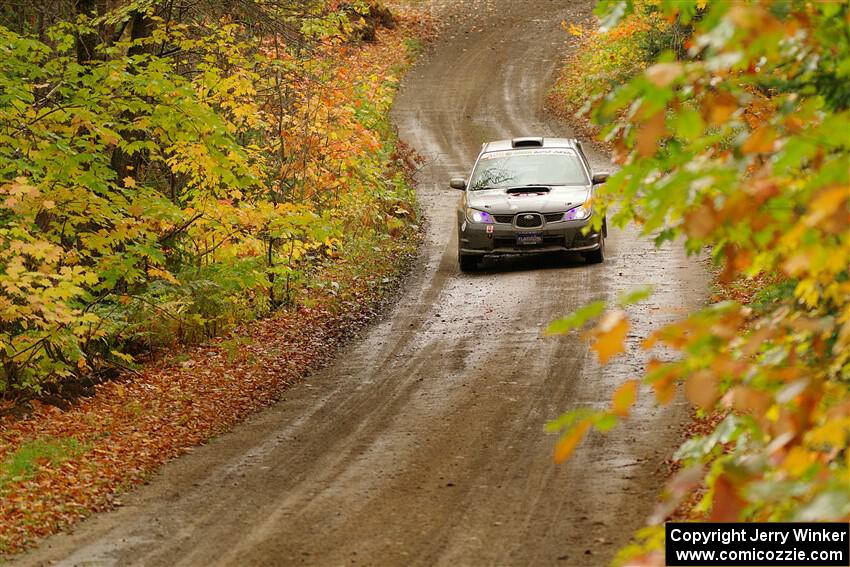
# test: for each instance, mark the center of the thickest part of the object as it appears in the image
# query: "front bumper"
(562, 236)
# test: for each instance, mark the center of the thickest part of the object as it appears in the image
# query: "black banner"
(758, 544)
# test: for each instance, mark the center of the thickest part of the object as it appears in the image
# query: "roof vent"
(529, 142)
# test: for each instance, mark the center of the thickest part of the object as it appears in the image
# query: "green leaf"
(634, 296)
(577, 318)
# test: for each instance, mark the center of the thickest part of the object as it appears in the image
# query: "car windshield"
(528, 167)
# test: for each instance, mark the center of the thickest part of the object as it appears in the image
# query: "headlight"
(579, 213)
(475, 215)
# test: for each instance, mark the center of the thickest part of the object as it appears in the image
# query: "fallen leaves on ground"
(135, 424)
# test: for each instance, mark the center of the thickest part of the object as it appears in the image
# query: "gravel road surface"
(423, 443)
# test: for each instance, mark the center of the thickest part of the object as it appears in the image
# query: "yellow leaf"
(610, 335)
(129, 182)
(798, 461)
(624, 398)
(834, 432)
(164, 274)
(826, 204)
(567, 444)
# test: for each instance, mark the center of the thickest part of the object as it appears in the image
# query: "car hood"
(544, 199)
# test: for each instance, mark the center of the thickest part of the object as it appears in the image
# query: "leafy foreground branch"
(734, 138)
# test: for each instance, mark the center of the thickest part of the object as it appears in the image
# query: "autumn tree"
(739, 147)
(170, 168)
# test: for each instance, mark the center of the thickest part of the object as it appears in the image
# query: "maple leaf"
(718, 107)
(610, 335)
(624, 398)
(649, 133)
(567, 444)
(761, 141)
(726, 502)
(701, 389)
(664, 388)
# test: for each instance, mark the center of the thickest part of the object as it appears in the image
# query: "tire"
(596, 256)
(467, 263)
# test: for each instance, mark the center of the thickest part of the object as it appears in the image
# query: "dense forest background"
(169, 168)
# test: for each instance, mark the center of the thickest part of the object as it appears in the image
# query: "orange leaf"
(665, 389)
(760, 141)
(718, 107)
(610, 335)
(701, 389)
(726, 503)
(700, 222)
(649, 133)
(650, 341)
(624, 398)
(567, 444)
(750, 400)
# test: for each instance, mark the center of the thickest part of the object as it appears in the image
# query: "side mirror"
(458, 183)
(600, 177)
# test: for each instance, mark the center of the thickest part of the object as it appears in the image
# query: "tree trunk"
(86, 42)
(140, 27)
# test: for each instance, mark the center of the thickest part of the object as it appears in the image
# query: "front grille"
(508, 219)
(529, 220)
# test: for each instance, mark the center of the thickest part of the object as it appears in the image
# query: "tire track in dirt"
(423, 443)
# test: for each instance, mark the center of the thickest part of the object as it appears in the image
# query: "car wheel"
(596, 256)
(467, 263)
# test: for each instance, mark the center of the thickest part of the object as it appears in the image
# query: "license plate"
(527, 238)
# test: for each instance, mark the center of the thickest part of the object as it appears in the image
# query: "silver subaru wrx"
(528, 195)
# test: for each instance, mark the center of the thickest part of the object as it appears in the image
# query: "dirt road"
(423, 444)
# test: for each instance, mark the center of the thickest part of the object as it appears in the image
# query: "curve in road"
(423, 443)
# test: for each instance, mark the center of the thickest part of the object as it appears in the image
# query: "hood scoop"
(529, 190)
